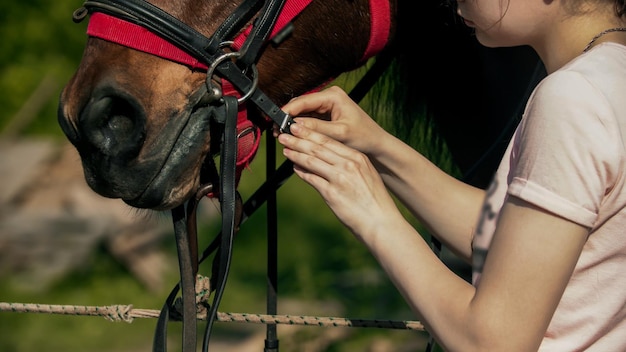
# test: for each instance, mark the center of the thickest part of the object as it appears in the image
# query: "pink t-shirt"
(568, 156)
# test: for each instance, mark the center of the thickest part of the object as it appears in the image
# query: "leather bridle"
(233, 61)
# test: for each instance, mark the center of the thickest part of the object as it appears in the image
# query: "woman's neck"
(571, 36)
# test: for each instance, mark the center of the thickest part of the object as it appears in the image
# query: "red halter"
(134, 36)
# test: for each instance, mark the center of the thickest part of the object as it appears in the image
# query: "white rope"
(127, 313)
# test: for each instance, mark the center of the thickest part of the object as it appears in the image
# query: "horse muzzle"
(119, 161)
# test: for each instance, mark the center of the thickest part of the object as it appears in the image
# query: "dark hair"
(620, 8)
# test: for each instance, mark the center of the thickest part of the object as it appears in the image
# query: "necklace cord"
(597, 36)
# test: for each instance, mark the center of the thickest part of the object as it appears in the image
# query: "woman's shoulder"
(603, 64)
(596, 77)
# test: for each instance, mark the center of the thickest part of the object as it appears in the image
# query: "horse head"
(138, 120)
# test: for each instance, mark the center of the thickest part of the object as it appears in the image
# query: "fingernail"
(283, 137)
(294, 127)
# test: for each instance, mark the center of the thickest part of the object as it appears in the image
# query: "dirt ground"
(50, 220)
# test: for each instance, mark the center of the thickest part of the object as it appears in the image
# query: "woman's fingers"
(323, 156)
(320, 103)
(316, 144)
(333, 113)
(344, 177)
(316, 109)
(332, 129)
(311, 122)
(306, 153)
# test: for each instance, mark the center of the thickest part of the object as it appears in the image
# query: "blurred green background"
(322, 269)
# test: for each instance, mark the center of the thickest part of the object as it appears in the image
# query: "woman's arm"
(529, 265)
(448, 207)
(531, 258)
(429, 193)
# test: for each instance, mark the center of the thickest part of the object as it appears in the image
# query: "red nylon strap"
(248, 134)
(380, 16)
(134, 36)
(139, 38)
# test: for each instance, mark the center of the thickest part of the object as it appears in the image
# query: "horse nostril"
(113, 126)
(121, 123)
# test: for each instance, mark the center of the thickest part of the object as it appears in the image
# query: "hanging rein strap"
(228, 202)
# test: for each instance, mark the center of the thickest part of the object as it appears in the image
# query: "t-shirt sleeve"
(564, 149)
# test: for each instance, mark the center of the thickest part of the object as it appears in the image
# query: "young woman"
(547, 239)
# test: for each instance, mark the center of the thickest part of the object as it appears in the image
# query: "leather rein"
(145, 27)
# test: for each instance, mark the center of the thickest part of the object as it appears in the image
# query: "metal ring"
(255, 83)
(219, 60)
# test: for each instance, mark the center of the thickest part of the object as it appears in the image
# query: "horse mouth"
(178, 177)
(156, 173)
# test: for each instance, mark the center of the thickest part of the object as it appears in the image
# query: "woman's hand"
(331, 112)
(344, 177)
(331, 149)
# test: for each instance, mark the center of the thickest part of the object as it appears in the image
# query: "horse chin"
(163, 196)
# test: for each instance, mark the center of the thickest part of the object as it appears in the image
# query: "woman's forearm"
(448, 207)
